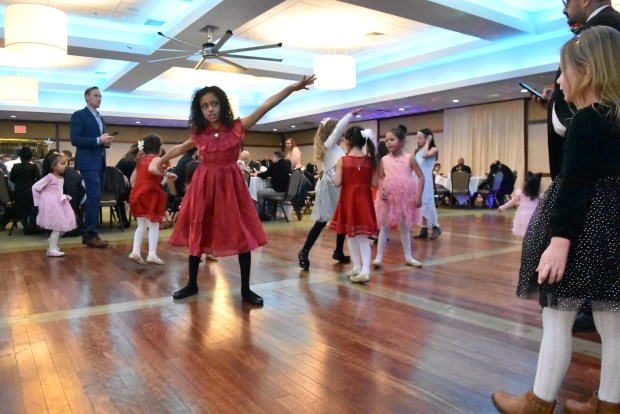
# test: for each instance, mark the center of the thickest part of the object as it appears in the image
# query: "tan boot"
(592, 406)
(521, 404)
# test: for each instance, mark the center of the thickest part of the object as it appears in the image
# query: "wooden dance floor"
(96, 332)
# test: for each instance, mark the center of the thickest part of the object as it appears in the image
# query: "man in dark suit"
(460, 166)
(581, 15)
(279, 173)
(89, 137)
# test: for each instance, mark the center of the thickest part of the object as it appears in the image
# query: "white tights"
(52, 241)
(555, 353)
(143, 224)
(405, 238)
(359, 249)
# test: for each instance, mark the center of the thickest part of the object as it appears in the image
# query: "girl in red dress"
(355, 213)
(148, 199)
(218, 215)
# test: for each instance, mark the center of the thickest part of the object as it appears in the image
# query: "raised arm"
(336, 136)
(175, 152)
(270, 103)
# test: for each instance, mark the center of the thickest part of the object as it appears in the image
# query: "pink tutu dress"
(524, 212)
(401, 190)
(55, 212)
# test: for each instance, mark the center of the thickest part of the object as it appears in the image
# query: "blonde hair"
(324, 131)
(598, 49)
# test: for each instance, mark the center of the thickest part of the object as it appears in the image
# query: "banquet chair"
(460, 186)
(175, 204)
(115, 182)
(441, 193)
(7, 202)
(489, 197)
(294, 184)
(309, 201)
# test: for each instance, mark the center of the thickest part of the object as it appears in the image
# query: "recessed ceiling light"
(138, 122)
(13, 116)
(275, 129)
(455, 100)
(358, 116)
(401, 109)
(292, 126)
(524, 90)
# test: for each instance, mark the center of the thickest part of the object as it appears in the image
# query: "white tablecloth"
(474, 182)
(257, 183)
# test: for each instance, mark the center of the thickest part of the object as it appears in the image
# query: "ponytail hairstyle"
(427, 132)
(359, 137)
(531, 188)
(49, 161)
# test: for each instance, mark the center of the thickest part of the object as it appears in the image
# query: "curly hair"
(324, 131)
(49, 161)
(197, 122)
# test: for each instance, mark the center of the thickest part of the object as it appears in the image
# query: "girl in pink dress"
(55, 212)
(527, 200)
(355, 213)
(148, 199)
(218, 215)
(399, 198)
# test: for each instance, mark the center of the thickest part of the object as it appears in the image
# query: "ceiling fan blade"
(223, 40)
(199, 64)
(177, 40)
(230, 62)
(248, 49)
(252, 57)
(170, 58)
(164, 50)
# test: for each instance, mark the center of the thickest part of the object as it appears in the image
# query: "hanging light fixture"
(19, 90)
(334, 72)
(35, 30)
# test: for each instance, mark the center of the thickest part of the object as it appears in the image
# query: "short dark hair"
(89, 90)
(279, 154)
(152, 144)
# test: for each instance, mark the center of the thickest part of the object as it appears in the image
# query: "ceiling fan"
(210, 50)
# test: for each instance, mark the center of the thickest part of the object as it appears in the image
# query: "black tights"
(245, 262)
(314, 234)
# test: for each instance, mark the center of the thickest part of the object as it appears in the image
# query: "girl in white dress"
(426, 155)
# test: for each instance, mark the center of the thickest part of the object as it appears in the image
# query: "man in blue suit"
(90, 139)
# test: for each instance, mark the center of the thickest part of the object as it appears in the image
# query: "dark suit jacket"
(606, 17)
(279, 173)
(84, 133)
(464, 168)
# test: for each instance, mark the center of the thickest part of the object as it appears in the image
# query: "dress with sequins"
(582, 205)
(217, 215)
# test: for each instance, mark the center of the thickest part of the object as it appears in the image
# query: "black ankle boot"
(341, 257)
(252, 298)
(186, 292)
(436, 233)
(423, 234)
(304, 262)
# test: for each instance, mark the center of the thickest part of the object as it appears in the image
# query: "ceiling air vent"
(151, 22)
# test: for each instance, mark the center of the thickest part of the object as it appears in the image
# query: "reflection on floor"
(96, 332)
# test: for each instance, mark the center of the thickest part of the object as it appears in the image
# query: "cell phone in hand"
(533, 91)
(114, 133)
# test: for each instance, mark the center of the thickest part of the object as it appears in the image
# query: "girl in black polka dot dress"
(571, 250)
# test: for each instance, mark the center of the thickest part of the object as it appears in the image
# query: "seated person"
(279, 173)
(437, 170)
(250, 164)
(460, 166)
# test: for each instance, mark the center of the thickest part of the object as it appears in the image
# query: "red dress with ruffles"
(217, 215)
(147, 198)
(355, 213)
